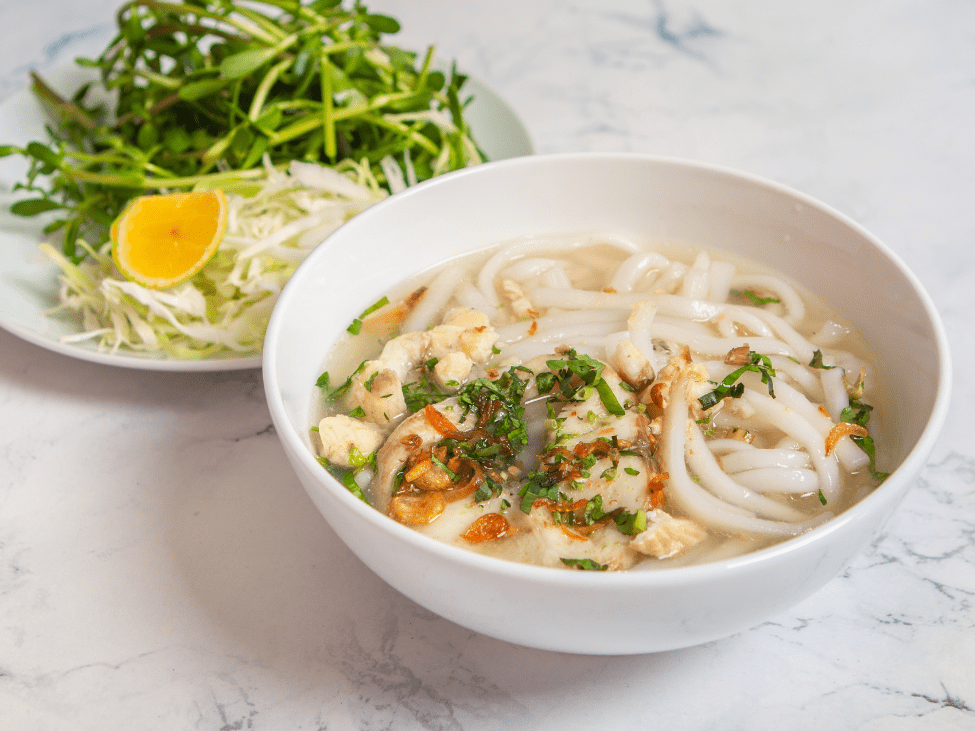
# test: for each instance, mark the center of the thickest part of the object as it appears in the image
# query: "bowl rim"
(899, 480)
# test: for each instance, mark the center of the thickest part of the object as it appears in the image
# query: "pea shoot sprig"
(206, 88)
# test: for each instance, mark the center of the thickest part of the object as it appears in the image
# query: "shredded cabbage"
(227, 304)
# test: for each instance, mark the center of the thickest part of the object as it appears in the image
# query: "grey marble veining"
(161, 568)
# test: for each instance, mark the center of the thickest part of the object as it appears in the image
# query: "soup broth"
(596, 402)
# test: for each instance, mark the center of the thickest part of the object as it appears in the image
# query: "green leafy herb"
(576, 376)
(422, 392)
(728, 388)
(334, 394)
(498, 406)
(631, 524)
(586, 564)
(487, 490)
(594, 510)
(356, 325)
(539, 485)
(206, 88)
(858, 413)
(347, 476)
(348, 479)
(822, 497)
(755, 299)
(817, 361)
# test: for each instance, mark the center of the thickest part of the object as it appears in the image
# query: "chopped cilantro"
(817, 361)
(755, 299)
(728, 388)
(356, 325)
(859, 413)
(631, 524)
(545, 381)
(359, 460)
(539, 485)
(586, 564)
(347, 477)
(594, 510)
(421, 393)
(334, 394)
(487, 490)
(576, 376)
(856, 413)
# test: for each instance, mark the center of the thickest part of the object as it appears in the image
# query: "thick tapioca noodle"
(587, 401)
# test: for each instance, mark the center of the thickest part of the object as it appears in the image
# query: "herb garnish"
(334, 394)
(495, 438)
(346, 476)
(631, 524)
(728, 388)
(755, 299)
(817, 361)
(540, 484)
(586, 564)
(422, 392)
(207, 88)
(859, 413)
(356, 325)
(576, 376)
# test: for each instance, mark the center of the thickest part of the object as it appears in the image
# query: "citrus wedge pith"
(162, 240)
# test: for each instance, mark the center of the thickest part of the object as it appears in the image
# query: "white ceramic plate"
(28, 279)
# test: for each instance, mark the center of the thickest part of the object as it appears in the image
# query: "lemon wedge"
(159, 241)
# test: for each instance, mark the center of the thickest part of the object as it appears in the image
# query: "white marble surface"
(161, 567)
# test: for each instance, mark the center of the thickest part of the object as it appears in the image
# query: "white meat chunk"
(464, 330)
(680, 366)
(412, 436)
(341, 434)
(377, 388)
(632, 364)
(605, 545)
(667, 536)
(379, 392)
(452, 371)
(514, 296)
(626, 485)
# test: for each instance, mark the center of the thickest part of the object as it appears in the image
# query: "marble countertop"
(162, 568)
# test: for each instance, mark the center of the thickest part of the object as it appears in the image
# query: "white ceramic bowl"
(594, 612)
